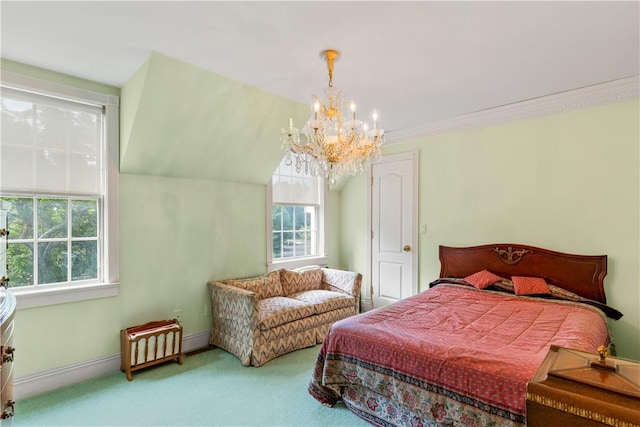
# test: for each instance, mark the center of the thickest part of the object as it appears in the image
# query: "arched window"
(296, 211)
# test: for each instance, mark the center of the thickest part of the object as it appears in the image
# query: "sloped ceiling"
(420, 64)
(415, 62)
(179, 120)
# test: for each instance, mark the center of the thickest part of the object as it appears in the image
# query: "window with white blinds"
(59, 184)
(297, 217)
(50, 145)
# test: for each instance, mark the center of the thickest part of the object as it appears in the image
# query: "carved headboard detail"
(510, 256)
(581, 274)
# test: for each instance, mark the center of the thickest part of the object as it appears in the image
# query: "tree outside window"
(52, 240)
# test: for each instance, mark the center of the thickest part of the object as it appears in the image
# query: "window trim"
(59, 294)
(289, 263)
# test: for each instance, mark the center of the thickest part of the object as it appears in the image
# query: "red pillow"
(482, 279)
(529, 285)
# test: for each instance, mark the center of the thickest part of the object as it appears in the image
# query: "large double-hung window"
(58, 182)
(297, 203)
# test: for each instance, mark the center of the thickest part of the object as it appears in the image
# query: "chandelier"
(333, 143)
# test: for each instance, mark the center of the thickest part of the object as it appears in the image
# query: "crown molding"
(591, 96)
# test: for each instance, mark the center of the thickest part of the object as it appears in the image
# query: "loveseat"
(261, 318)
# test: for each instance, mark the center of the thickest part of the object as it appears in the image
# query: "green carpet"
(211, 388)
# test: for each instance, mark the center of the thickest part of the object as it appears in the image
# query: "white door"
(393, 228)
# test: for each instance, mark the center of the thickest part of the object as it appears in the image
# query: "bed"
(461, 353)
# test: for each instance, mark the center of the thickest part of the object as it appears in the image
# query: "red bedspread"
(479, 347)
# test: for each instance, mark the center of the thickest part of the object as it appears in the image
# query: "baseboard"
(30, 385)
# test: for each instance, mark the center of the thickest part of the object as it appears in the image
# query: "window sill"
(31, 298)
(297, 263)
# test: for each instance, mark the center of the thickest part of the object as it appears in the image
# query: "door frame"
(367, 298)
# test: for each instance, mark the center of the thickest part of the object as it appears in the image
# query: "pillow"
(530, 285)
(557, 292)
(266, 286)
(293, 281)
(482, 279)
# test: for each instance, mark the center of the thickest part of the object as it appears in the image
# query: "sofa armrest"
(233, 303)
(344, 281)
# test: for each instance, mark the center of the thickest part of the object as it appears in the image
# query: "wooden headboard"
(580, 274)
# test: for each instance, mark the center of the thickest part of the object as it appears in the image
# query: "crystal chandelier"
(333, 144)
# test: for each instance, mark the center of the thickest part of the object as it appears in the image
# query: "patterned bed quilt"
(452, 355)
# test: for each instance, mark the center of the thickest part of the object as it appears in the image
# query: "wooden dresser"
(574, 388)
(7, 311)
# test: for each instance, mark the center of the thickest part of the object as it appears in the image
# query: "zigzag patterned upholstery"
(258, 324)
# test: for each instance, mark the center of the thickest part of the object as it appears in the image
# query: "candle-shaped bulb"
(353, 110)
(375, 119)
(290, 123)
(316, 108)
(365, 126)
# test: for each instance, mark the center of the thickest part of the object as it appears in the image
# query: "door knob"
(406, 248)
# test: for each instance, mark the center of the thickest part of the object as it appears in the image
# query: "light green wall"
(332, 224)
(475, 187)
(183, 121)
(353, 221)
(567, 182)
(131, 97)
(176, 234)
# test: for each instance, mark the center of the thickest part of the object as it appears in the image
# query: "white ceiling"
(416, 62)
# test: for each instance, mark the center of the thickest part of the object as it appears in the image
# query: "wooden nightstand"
(574, 388)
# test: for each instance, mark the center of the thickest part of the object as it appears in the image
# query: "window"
(43, 232)
(295, 231)
(296, 211)
(58, 179)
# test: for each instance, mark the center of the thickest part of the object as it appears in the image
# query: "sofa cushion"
(324, 301)
(280, 310)
(266, 286)
(293, 281)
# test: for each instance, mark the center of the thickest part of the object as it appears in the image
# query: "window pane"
(20, 218)
(308, 243)
(276, 218)
(277, 245)
(56, 143)
(287, 245)
(52, 126)
(309, 218)
(17, 166)
(299, 234)
(52, 218)
(84, 260)
(287, 217)
(52, 262)
(17, 122)
(84, 133)
(83, 172)
(20, 261)
(52, 169)
(299, 246)
(84, 218)
(299, 218)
